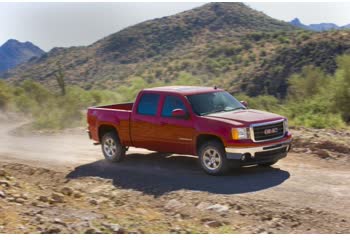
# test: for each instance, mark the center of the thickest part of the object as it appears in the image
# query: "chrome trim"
(251, 130)
(185, 139)
(253, 150)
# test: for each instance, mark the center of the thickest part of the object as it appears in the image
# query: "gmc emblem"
(270, 131)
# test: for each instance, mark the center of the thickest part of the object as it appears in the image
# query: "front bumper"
(260, 154)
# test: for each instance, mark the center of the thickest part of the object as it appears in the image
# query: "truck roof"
(183, 90)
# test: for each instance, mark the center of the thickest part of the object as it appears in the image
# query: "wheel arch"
(104, 128)
(203, 138)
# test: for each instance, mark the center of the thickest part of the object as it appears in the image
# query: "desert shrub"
(341, 87)
(307, 83)
(185, 78)
(5, 95)
(128, 93)
(262, 102)
(319, 100)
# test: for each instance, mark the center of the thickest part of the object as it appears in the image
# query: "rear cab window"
(148, 104)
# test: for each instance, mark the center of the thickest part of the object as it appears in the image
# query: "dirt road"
(301, 181)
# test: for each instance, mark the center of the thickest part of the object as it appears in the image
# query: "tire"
(268, 164)
(212, 157)
(112, 148)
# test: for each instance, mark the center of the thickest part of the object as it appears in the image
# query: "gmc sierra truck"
(203, 121)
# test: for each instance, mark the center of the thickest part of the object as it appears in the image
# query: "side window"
(148, 104)
(171, 103)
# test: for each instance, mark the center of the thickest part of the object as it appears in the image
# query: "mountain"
(297, 23)
(227, 44)
(346, 26)
(13, 53)
(129, 51)
(318, 27)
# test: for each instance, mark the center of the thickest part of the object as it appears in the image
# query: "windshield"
(213, 102)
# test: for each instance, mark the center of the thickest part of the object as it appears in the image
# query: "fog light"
(245, 157)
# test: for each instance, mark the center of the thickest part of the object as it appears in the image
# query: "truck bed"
(117, 115)
(121, 106)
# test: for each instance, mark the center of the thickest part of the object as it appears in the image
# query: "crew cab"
(207, 122)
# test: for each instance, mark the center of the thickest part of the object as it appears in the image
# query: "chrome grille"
(267, 131)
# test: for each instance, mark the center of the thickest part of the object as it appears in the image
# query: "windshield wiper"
(215, 111)
(222, 110)
(234, 109)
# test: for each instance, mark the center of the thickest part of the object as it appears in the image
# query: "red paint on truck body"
(173, 135)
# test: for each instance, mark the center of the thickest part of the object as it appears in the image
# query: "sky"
(51, 25)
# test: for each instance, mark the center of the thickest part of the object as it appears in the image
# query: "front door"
(174, 135)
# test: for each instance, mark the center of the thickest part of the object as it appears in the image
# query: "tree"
(341, 87)
(307, 83)
(59, 75)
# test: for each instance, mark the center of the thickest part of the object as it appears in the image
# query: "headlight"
(286, 129)
(240, 133)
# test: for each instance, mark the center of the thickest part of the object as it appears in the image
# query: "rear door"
(174, 135)
(144, 120)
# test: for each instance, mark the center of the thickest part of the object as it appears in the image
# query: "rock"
(92, 231)
(24, 196)
(57, 197)
(5, 183)
(21, 227)
(20, 200)
(17, 184)
(321, 153)
(275, 222)
(77, 195)
(39, 219)
(241, 213)
(260, 230)
(218, 208)
(2, 194)
(67, 191)
(174, 204)
(3, 173)
(93, 201)
(213, 224)
(60, 222)
(52, 230)
(43, 199)
(203, 205)
(116, 228)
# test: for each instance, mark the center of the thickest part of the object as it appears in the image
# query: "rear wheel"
(112, 148)
(212, 158)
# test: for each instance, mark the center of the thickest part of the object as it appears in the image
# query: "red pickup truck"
(203, 121)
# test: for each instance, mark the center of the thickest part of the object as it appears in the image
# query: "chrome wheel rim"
(109, 147)
(211, 159)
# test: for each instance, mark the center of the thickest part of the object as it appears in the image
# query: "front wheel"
(212, 157)
(112, 148)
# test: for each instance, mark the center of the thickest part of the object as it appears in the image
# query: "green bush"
(314, 98)
(5, 95)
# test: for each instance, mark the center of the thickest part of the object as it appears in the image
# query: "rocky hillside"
(14, 52)
(227, 44)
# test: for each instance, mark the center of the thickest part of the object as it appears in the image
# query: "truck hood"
(244, 117)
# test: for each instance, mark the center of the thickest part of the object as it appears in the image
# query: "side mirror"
(179, 113)
(244, 103)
